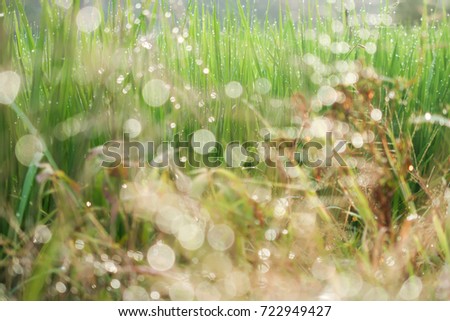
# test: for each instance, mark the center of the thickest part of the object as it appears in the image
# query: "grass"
(71, 229)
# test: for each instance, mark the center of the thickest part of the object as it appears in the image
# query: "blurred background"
(404, 11)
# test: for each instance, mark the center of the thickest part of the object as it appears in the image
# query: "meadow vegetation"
(377, 228)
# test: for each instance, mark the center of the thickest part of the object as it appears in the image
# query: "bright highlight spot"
(234, 90)
(161, 257)
(88, 19)
(203, 141)
(220, 237)
(29, 150)
(9, 87)
(156, 93)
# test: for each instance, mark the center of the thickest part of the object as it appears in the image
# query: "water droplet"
(280, 208)
(264, 254)
(263, 86)
(203, 141)
(263, 267)
(371, 48)
(327, 95)
(9, 87)
(220, 237)
(156, 93)
(234, 90)
(270, 234)
(376, 115)
(115, 284)
(79, 244)
(161, 257)
(357, 140)
(65, 4)
(88, 19)
(206, 71)
(319, 127)
(120, 79)
(154, 295)
(133, 127)
(29, 150)
(42, 234)
(390, 261)
(191, 236)
(61, 287)
(167, 217)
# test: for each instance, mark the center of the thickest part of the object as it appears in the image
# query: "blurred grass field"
(70, 229)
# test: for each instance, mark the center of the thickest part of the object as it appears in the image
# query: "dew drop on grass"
(166, 218)
(327, 95)
(350, 78)
(220, 237)
(263, 267)
(154, 295)
(191, 236)
(88, 19)
(79, 244)
(411, 289)
(61, 287)
(357, 140)
(376, 115)
(319, 127)
(371, 48)
(234, 90)
(181, 291)
(115, 284)
(65, 4)
(29, 150)
(337, 26)
(263, 86)
(280, 208)
(133, 127)
(161, 257)
(42, 234)
(264, 254)
(135, 293)
(270, 234)
(9, 87)
(156, 93)
(203, 141)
